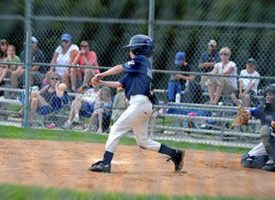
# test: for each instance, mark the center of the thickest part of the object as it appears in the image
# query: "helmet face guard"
(270, 96)
(141, 45)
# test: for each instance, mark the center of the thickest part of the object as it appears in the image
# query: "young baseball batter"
(136, 82)
(262, 156)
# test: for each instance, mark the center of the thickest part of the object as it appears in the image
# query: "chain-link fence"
(189, 38)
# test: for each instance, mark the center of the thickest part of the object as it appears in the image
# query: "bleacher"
(174, 121)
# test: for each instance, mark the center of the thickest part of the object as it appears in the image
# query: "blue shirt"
(137, 77)
(209, 57)
(265, 115)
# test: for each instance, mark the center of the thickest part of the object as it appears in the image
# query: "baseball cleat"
(100, 167)
(178, 160)
(269, 166)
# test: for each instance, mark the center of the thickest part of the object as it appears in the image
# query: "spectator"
(247, 87)
(9, 69)
(64, 56)
(37, 72)
(3, 49)
(176, 80)
(86, 57)
(83, 106)
(48, 99)
(102, 110)
(119, 105)
(207, 61)
(3, 55)
(219, 84)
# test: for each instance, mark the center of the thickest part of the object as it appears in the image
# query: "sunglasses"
(224, 54)
(54, 78)
(84, 46)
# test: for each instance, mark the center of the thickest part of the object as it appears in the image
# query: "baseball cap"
(34, 40)
(251, 61)
(179, 58)
(212, 42)
(67, 37)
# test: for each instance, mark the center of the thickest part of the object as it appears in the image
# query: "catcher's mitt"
(242, 117)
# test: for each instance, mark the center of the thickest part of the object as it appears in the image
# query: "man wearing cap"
(176, 80)
(247, 87)
(37, 72)
(208, 59)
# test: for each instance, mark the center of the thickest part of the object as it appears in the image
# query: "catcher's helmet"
(270, 88)
(141, 45)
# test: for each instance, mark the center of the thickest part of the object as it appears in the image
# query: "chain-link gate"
(71, 41)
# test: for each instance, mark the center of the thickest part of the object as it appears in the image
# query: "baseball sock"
(107, 158)
(167, 150)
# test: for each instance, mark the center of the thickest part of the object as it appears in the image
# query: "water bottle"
(178, 98)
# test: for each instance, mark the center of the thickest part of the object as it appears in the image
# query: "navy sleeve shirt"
(266, 116)
(137, 77)
(209, 57)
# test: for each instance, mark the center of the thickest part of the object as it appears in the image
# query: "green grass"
(62, 135)
(18, 192)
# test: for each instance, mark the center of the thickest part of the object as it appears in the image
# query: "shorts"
(86, 109)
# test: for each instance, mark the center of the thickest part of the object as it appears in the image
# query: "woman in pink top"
(88, 60)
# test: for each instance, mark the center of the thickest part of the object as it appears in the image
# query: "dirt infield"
(64, 165)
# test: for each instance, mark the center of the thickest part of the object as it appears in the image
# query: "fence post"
(27, 64)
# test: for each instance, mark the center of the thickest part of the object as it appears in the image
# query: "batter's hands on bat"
(96, 80)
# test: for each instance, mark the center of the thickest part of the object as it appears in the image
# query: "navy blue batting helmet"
(141, 45)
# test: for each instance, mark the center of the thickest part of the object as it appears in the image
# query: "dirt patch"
(64, 165)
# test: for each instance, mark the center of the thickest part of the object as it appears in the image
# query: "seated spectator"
(63, 57)
(48, 99)
(82, 106)
(9, 69)
(3, 55)
(207, 61)
(193, 92)
(247, 87)
(119, 105)
(86, 57)
(177, 80)
(102, 111)
(3, 49)
(218, 84)
(37, 71)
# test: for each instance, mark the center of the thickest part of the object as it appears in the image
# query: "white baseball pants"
(135, 117)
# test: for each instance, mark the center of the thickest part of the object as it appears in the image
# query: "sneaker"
(99, 130)
(76, 119)
(100, 167)
(269, 166)
(67, 125)
(88, 129)
(178, 160)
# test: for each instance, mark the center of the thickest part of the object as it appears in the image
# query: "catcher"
(262, 156)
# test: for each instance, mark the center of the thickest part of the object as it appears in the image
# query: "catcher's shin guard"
(253, 161)
(268, 140)
(100, 167)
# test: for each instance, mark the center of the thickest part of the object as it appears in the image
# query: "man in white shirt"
(247, 86)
